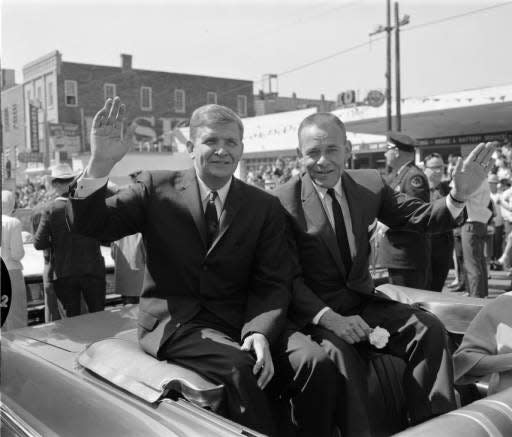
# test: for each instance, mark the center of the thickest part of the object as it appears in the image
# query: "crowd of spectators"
(269, 176)
(32, 193)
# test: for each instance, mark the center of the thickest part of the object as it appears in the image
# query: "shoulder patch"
(417, 181)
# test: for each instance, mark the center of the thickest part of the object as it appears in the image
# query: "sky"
(247, 39)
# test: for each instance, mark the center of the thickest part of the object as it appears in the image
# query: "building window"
(211, 98)
(241, 105)
(14, 116)
(179, 100)
(146, 98)
(6, 119)
(70, 93)
(39, 94)
(109, 91)
(50, 94)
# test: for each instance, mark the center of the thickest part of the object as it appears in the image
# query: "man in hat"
(405, 252)
(76, 267)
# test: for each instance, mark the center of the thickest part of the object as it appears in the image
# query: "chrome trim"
(10, 419)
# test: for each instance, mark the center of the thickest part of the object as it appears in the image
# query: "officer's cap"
(401, 141)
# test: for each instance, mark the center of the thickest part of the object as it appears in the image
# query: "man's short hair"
(213, 114)
(432, 156)
(319, 119)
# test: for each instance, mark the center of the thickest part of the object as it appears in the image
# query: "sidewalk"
(499, 283)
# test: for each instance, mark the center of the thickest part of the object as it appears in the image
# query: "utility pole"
(398, 24)
(388, 30)
(388, 65)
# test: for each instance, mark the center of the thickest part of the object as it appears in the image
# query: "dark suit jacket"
(243, 278)
(405, 248)
(66, 254)
(320, 278)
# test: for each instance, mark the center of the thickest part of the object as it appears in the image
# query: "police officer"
(405, 253)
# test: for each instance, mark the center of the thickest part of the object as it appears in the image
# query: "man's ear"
(348, 147)
(190, 147)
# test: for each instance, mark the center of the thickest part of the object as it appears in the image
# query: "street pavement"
(499, 283)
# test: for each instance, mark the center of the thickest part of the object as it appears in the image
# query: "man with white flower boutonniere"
(331, 215)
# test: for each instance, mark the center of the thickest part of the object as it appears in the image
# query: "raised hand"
(470, 174)
(108, 141)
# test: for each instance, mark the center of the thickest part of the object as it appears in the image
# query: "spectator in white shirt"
(12, 253)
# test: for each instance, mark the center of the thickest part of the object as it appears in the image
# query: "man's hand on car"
(258, 343)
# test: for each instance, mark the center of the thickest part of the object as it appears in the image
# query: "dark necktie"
(341, 231)
(210, 215)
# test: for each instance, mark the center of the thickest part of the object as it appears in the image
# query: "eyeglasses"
(391, 146)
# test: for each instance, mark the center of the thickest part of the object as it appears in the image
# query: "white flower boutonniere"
(379, 337)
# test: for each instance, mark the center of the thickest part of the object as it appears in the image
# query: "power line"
(367, 43)
(333, 55)
(454, 17)
(430, 23)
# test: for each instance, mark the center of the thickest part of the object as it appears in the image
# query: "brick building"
(71, 93)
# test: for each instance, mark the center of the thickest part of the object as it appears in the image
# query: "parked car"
(87, 376)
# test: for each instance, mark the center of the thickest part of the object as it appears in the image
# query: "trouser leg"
(473, 237)
(419, 338)
(353, 415)
(69, 295)
(94, 292)
(212, 351)
(311, 381)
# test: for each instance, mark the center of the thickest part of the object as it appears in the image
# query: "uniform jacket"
(69, 254)
(243, 278)
(405, 248)
(320, 278)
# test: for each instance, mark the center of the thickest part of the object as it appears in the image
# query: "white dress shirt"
(12, 243)
(220, 200)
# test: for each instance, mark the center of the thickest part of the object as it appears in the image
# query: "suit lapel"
(190, 191)
(232, 205)
(317, 221)
(354, 198)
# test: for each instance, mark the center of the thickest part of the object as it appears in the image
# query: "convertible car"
(86, 376)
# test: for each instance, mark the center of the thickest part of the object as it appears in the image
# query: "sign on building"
(34, 128)
(64, 137)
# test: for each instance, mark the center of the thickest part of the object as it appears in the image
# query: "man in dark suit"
(405, 251)
(216, 288)
(73, 263)
(332, 212)
(52, 308)
(441, 243)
